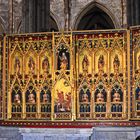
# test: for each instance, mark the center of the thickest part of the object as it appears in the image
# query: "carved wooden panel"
(101, 60)
(66, 76)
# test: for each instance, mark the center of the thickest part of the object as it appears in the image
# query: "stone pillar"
(10, 16)
(43, 15)
(137, 13)
(133, 12)
(36, 15)
(25, 12)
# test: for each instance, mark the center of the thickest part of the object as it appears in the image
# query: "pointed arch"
(54, 24)
(105, 13)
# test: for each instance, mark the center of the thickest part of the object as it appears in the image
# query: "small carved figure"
(17, 65)
(116, 63)
(84, 98)
(60, 101)
(101, 63)
(31, 65)
(100, 97)
(31, 98)
(116, 97)
(63, 61)
(139, 95)
(68, 101)
(45, 98)
(45, 65)
(17, 99)
(85, 63)
(60, 95)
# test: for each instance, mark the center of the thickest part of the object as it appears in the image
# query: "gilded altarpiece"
(68, 76)
(135, 73)
(102, 76)
(29, 77)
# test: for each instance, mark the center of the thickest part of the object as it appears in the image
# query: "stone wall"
(116, 7)
(97, 133)
(114, 133)
(4, 15)
(11, 14)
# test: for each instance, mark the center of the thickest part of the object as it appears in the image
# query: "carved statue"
(45, 65)
(31, 65)
(116, 97)
(60, 101)
(17, 65)
(100, 97)
(84, 98)
(101, 63)
(85, 63)
(116, 63)
(68, 101)
(45, 98)
(139, 95)
(63, 61)
(60, 95)
(17, 99)
(31, 98)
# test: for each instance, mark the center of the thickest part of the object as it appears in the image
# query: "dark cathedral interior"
(69, 69)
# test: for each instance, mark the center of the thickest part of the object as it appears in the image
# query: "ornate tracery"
(69, 76)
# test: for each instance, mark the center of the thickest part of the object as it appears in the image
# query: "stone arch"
(137, 138)
(91, 6)
(53, 18)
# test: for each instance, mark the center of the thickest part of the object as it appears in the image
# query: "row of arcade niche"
(81, 77)
(40, 77)
(101, 77)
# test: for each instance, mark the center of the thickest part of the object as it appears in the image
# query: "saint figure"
(138, 96)
(17, 65)
(45, 65)
(63, 61)
(85, 63)
(100, 97)
(45, 98)
(68, 101)
(60, 101)
(31, 98)
(116, 97)
(85, 98)
(31, 65)
(116, 63)
(17, 99)
(101, 63)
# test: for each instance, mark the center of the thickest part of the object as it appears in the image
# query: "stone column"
(10, 16)
(36, 15)
(43, 15)
(137, 14)
(133, 12)
(25, 12)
